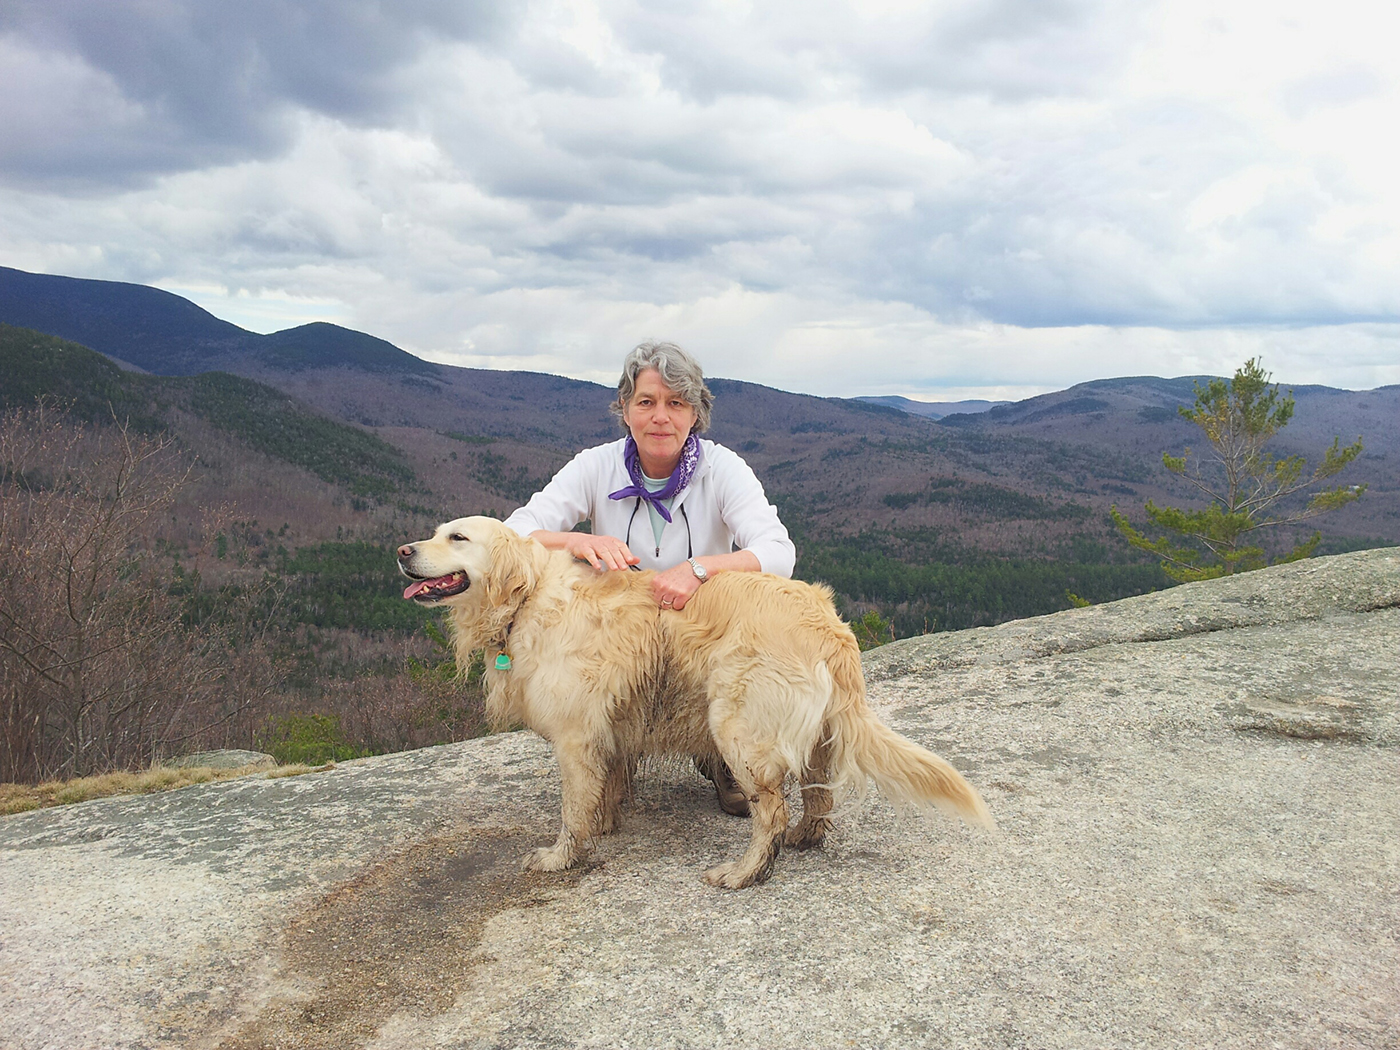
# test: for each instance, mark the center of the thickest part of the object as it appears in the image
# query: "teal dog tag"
(503, 661)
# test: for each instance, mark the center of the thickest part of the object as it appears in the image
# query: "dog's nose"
(406, 551)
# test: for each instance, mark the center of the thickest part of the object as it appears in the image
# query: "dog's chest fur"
(611, 661)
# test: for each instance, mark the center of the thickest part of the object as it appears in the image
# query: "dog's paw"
(729, 877)
(806, 836)
(716, 876)
(548, 860)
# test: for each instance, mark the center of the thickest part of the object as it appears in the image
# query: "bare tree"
(96, 670)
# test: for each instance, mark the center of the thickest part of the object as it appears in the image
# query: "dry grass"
(297, 769)
(18, 798)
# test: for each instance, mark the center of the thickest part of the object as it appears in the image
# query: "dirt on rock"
(403, 937)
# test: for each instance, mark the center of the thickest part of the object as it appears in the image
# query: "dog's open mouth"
(437, 588)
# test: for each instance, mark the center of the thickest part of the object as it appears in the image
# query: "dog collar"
(503, 661)
(502, 653)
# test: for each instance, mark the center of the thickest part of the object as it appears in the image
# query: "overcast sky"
(951, 199)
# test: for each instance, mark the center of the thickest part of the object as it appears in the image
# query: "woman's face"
(660, 421)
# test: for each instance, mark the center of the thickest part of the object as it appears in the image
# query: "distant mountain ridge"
(1010, 477)
(166, 334)
(932, 409)
(1155, 396)
(1140, 414)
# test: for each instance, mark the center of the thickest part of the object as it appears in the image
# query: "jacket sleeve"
(754, 522)
(567, 499)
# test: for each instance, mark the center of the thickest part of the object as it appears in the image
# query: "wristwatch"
(698, 569)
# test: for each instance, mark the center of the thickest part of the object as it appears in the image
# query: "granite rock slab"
(1198, 804)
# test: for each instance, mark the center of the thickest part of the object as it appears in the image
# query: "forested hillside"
(939, 509)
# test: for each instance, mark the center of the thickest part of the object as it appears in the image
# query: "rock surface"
(1198, 809)
(225, 758)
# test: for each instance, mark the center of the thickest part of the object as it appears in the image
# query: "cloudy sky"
(940, 199)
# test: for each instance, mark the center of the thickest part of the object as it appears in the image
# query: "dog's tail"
(860, 746)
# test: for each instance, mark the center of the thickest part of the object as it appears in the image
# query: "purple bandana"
(680, 477)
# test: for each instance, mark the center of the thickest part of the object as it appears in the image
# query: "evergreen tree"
(1243, 482)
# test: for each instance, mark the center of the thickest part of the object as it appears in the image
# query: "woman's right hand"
(604, 553)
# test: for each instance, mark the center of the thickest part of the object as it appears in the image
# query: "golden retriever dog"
(757, 670)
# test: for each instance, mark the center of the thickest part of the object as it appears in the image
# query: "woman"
(662, 498)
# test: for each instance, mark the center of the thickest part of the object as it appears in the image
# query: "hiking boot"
(727, 790)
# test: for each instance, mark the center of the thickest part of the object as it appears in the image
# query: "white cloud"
(827, 196)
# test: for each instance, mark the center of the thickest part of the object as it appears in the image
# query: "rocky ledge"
(1198, 809)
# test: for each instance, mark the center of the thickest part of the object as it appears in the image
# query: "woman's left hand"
(674, 587)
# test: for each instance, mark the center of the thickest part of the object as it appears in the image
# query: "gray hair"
(679, 371)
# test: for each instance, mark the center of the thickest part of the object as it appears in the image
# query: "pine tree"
(1243, 483)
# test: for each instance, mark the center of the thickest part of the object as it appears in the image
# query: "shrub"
(310, 740)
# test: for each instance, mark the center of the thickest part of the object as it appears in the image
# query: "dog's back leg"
(816, 804)
(766, 718)
(583, 777)
(617, 788)
(762, 780)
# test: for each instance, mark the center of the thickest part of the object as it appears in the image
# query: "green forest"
(920, 584)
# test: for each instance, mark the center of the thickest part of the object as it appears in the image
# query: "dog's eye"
(457, 537)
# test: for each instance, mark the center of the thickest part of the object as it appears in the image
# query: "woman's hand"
(678, 584)
(674, 587)
(601, 552)
(671, 589)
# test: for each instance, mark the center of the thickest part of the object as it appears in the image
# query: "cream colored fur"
(757, 670)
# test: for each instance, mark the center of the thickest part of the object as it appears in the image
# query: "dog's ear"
(512, 573)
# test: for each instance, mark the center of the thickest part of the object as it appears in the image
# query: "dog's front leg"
(582, 776)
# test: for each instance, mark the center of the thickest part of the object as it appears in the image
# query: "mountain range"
(308, 455)
(898, 479)
(932, 409)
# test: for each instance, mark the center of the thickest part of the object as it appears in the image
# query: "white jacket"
(724, 506)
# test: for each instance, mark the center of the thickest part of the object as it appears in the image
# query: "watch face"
(699, 570)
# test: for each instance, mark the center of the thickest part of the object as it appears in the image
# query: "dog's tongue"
(419, 586)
